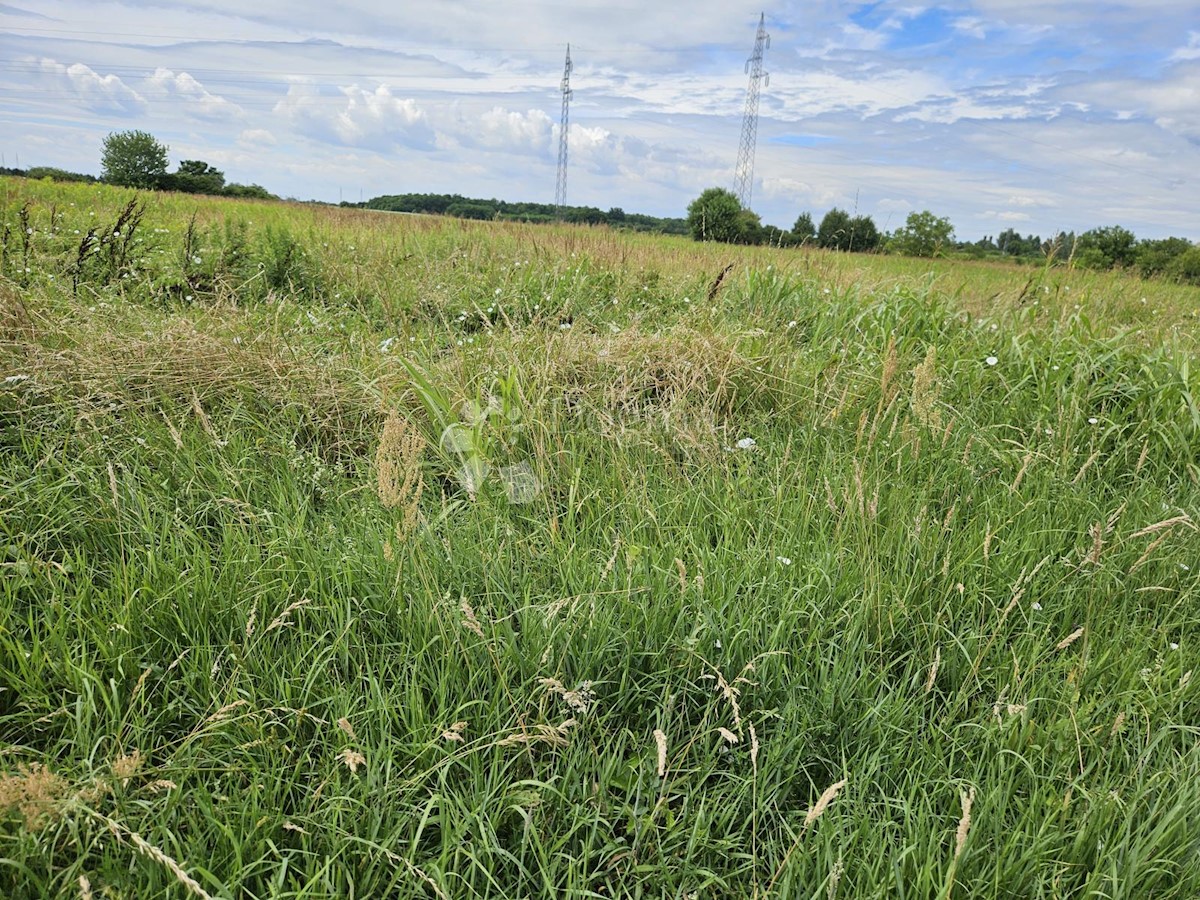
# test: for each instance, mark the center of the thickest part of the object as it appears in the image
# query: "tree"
(1186, 267)
(864, 236)
(750, 228)
(923, 234)
(1103, 248)
(195, 176)
(1154, 257)
(249, 191)
(133, 159)
(715, 216)
(834, 233)
(804, 230)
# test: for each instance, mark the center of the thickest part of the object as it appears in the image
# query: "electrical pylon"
(743, 173)
(560, 187)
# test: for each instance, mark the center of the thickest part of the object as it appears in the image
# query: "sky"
(1036, 115)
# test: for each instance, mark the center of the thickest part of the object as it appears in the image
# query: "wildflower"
(991, 360)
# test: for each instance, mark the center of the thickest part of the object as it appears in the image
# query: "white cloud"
(358, 118)
(504, 129)
(105, 94)
(196, 99)
(1191, 51)
(257, 137)
(971, 26)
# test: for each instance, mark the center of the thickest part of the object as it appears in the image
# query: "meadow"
(358, 554)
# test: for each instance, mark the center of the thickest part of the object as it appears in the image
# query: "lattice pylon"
(743, 172)
(560, 186)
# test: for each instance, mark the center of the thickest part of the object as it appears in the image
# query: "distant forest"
(472, 208)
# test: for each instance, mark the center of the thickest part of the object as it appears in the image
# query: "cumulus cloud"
(196, 99)
(104, 94)
(377, 119)
(505, 129)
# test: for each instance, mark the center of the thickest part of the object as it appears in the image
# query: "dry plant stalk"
(1184, 519)
(823, 802)
(125, 766)
(964, 824)
(555, 735)
(925, 391)
(352, 760)
(1069, 639)
(660, 742)
(284, 618)
(815, 813)
(470, 621)
(933, 669)
(891, 365)
(399, 478)
(35, 792)
(455, 732)
(154, 853)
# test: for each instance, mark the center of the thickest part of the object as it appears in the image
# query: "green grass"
(223, 657)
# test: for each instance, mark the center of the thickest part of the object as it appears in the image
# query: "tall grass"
(842, 576)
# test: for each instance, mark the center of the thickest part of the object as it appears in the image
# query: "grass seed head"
(823, 802)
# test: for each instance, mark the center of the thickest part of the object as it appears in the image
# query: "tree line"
(503, 210)
(718, 215)
(136, 159)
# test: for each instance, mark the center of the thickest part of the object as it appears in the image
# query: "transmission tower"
(743, 173)
(560, 187)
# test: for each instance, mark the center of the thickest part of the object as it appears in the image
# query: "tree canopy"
(133, 159)
(923, 234)
(716, 215)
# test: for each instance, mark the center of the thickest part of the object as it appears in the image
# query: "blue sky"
(1037, 115)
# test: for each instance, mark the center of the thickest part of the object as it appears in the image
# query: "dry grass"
(36, 793)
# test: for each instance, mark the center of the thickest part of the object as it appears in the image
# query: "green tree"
(1154, 257)
(194, 177)
(1104, 248)
(804, 231)
(864, 236)
(133, 159)
(834, 233)
(715, 216)
(1186, 267)
(923, 234)
(750, 228)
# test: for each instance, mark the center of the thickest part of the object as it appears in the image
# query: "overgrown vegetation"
(351, 554)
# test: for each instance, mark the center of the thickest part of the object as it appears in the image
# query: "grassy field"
(350, 554)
